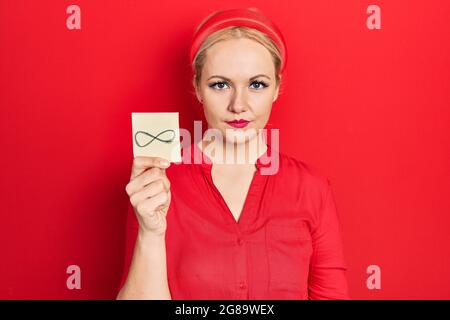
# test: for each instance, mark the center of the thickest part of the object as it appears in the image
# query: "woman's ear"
(277, 90)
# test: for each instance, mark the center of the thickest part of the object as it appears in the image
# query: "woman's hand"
(149, 192)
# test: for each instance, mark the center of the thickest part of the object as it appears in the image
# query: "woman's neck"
(234, 153)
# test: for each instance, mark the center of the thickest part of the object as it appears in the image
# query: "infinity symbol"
(155, 137)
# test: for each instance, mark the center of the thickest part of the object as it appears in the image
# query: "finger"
(148, 206)
(139, 182)
(148, 191)
(166, 182)
(162, 176)
(140, 164)
(167, 204)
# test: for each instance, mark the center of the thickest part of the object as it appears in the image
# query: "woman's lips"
(238, 123)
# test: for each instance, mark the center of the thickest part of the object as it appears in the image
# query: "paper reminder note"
(156, 134)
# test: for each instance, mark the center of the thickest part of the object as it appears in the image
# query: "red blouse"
(287, 243)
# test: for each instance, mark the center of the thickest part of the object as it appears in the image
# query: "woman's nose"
(238, 102)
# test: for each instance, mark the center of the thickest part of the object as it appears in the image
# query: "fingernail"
(164, 163)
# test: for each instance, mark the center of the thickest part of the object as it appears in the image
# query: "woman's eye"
(258, 84)
(218, 85)
(222, 85)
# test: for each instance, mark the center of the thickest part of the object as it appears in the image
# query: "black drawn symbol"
(170, 133)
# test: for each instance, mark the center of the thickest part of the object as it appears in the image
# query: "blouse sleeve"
(327, 279)
(132, 227)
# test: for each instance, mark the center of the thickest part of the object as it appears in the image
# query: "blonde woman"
(220, 230)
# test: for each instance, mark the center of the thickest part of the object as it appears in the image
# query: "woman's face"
(237, 83)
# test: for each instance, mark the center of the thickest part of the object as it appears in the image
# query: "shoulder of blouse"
(304, 170)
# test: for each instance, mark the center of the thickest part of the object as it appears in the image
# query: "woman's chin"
(239, 136)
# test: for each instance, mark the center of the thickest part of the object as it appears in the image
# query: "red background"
(370, 108)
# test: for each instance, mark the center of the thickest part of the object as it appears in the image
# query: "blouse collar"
(197, 156)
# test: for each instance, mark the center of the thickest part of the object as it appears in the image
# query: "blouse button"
(242, 285)
(240, 241)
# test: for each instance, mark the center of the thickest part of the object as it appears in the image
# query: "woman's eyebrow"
(260, 75)
(227, 79)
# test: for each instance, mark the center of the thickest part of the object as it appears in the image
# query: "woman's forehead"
(239, 57)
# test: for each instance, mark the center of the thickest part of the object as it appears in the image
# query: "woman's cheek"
(263, 108)
(213, 117)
